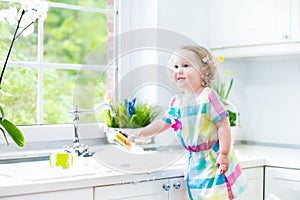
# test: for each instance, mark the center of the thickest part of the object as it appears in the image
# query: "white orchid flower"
(2, 16)
(9, 15)
(37, 9)
(29, 17)
(29, 30)
(41, 15)
(44, 6)
(34, 5)
(26, 5)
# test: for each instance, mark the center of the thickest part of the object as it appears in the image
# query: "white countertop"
(37, 176)
(255, 155)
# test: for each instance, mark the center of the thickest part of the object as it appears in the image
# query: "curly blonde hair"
(208, 68)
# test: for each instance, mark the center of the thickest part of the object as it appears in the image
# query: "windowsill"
(58, 132)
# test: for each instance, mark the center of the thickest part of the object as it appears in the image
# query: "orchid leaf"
(2, 112)
(3, 132)
(13, 131)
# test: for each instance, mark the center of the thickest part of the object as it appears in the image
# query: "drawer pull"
(177, 185)
(167, 186)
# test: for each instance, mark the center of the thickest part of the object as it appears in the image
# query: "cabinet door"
(254, 22)
(255, 180)
(134, 191)
(283, 184)
(178, 189)
(79, 194)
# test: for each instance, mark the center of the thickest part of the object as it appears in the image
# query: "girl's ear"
(203, 79)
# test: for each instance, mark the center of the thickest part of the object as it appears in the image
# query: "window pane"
(90, 91)
(71, 35)
(64, 88)
(24, 47)
(89, 3)
(58, 95)
(19, 95)
(76, 36)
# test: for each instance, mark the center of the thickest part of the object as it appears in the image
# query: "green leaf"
(232, 118)
(3, 132)
(144, 115)
(2, 112)
(229, 88)
(14, 132)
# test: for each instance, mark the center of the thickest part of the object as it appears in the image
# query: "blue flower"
(130, 106)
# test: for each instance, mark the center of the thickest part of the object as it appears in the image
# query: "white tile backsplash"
(267, 94)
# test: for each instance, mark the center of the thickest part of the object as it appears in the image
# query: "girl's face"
(185, 71)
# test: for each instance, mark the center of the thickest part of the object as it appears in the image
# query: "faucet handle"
(67, 149)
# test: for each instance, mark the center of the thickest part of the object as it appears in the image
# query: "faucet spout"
(107, 106)
(96, 109)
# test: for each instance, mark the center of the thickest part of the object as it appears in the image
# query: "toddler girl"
(200, 123)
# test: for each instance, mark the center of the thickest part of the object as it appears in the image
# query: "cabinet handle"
(166, 186)
(177, 185)
(285, 36)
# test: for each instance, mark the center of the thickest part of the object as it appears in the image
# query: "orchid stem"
(23, 30)
(10, 48)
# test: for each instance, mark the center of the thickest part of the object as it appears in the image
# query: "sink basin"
(6, 180)
(41, 170)
(136, 161)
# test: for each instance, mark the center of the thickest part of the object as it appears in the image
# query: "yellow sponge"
(122, 139)
(63, 159)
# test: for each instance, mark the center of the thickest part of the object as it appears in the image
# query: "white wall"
(189, 18)
(188, 23)
(267, 94)
(150, 31)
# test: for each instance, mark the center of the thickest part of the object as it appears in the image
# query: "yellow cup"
(62, 159)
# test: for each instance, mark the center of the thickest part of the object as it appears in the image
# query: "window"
(64, 62)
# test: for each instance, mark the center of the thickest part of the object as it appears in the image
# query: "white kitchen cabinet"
(139, 191)
(172, 188)
(282, 183)
(243, 28)
(178, 189)
(255, 188)
(243, 22)
(78, 194)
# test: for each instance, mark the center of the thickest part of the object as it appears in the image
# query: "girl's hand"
(222, 163)
(130, 138)
(132, 135)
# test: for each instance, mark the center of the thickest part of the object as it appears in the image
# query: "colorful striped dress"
(194, 127)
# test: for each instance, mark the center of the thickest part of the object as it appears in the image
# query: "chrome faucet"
(78, 148)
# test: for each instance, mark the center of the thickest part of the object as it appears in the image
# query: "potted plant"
(131, 115)
(29, 13)
(223, 88)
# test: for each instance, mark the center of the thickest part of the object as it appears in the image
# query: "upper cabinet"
(252, 28)
(295, 20)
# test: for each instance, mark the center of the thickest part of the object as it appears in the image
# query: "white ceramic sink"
(130, 161)
(41, 170)
(6, 180)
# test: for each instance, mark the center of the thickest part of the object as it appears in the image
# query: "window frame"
(57, 132)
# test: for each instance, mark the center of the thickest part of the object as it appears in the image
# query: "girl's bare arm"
(224, 134)
(152, 129)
